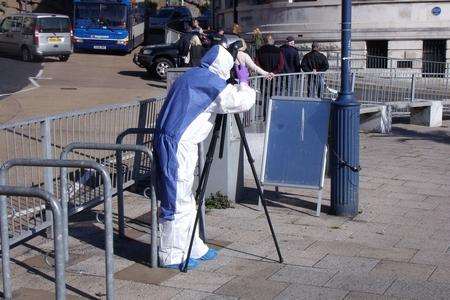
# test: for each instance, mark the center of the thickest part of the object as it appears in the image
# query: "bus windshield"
(94, 15)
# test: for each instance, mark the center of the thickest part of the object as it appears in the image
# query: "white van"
(34, 36)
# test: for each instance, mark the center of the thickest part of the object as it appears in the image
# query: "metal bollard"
(60, 284)
(56, 163)
(113, 147)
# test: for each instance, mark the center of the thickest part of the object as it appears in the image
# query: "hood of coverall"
(218, 61)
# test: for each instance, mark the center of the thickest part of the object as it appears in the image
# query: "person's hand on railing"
(269, 76)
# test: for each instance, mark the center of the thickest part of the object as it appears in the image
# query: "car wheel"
(64, 57)
(160, 67)
(26, 54)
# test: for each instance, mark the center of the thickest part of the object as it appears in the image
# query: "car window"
(176, 15)
(28, 25)
(6, 25)
(16, 24)
(53, 25)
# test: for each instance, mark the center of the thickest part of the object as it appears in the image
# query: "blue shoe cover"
(192, 264)
(210, 255)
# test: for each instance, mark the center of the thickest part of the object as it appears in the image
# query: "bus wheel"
(161, 65)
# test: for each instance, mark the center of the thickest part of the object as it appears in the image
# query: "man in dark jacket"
(269, 57)
(184, 46)
(314, 61)
(291, 56)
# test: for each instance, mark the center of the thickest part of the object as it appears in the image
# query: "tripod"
(221, 121)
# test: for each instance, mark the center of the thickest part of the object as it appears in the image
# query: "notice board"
(296, 142)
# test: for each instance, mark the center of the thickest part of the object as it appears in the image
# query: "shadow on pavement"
(15, 74)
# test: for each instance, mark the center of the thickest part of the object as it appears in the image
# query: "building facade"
(408, 30)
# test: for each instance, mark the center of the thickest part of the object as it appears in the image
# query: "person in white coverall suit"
(184, 121)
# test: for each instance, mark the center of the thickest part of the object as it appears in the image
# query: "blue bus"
(109, 25)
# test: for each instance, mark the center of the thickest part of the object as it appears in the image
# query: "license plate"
(100, 47)
(54, 40)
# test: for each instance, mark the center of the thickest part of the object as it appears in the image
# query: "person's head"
(187, 27)
(290, 41)
(256, 31)
(244, 45)
(315, 46)
(195, 23)
(218, 61)
(221, 31)
(269, 40)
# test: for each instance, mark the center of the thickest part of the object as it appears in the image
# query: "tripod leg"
(258, 183)
(200, 194)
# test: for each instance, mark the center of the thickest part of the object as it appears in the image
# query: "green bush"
(217, 201)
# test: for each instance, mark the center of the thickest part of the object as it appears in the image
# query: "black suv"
(158, 58)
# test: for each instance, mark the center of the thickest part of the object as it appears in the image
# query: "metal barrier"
(60, 284)
(121, 210)
(109, 252)
(115, 147)
(46, 137)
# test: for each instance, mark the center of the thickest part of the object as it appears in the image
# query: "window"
(53, 25)
(228, 3)
(28, 26)
(404, 64)
(377, 54)
(16, 24)
(6, 25)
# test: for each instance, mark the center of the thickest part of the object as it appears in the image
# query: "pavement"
(87, 80)
(396, 248)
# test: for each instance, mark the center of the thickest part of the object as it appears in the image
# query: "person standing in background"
(257, 38)
(269, 56)
(291, 56)
(314, 62)
(243, 59)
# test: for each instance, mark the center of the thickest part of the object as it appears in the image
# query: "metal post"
(6, 268)
(60, 285)
(48, 172)
(115, 147)
(413, 88)
(345, 132)
(109, 254)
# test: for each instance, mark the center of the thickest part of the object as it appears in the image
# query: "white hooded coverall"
(184, 121)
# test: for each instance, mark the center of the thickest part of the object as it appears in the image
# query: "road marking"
(33, 82)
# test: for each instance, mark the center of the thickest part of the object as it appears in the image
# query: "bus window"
(100, 15)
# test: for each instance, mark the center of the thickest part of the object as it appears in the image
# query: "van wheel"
(64, 57)
(26, 54)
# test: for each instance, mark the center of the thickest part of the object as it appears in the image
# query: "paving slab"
(126, 290)
(419, 290)
(441, 274)
(303, 275)
(308, 292)
(249, 268)
(198, 280)
(197, 295)
(251, 288)
(144, 274)
(403, 270)
(35, 294)
(368, 296)
(347, 264)
(361, 282)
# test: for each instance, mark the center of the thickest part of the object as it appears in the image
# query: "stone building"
(408, 30)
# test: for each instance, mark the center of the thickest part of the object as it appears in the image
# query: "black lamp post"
(344, 143)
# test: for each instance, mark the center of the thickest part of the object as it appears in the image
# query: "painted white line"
(33, 82)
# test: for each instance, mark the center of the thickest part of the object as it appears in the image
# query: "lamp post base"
(344, 162)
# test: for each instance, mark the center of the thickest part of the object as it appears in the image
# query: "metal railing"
(47, 137)
(61, 233)
(60, 285)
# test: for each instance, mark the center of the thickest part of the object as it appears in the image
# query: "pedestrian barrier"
(46, 138)
(140, 132)
(60, 233)
(118, 148)
(60, 285)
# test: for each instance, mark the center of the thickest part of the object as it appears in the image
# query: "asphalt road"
(87, 80)
(14, 74)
